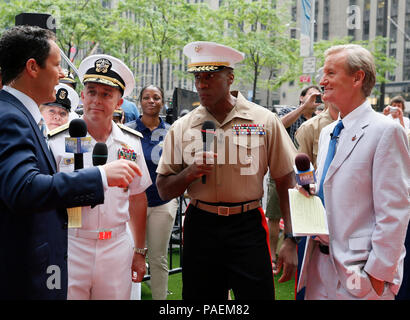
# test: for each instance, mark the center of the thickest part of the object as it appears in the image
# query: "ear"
(32, 68)
(231, 78)
(119, 103)
(82, 95)
(358, 77)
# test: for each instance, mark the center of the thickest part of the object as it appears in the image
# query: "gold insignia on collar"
(102, 65)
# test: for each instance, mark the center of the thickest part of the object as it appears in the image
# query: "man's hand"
(378, 285)
(138, 267)
(120, 173)
(287, 258)
(310, 105)
(386, 110)
(203, 164)
(312, 188)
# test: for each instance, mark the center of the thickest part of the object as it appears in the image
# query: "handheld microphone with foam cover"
(208, 134)
(78, 129)
(305, 173)
(100, 154)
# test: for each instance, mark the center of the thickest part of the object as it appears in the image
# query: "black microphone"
(78, 129)
(100, 154)
(208, 134)
(305, 173)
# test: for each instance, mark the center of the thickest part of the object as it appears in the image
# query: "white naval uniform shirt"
(115, 199)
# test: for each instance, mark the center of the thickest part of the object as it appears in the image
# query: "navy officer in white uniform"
(103, 260)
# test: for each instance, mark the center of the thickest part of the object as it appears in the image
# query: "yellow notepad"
(308, 216)
(74, 217)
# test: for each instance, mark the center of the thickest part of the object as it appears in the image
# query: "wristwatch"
(294, 239)
(141, 251)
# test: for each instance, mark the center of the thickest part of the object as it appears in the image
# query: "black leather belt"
(323, 248)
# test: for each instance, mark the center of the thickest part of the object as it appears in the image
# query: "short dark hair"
(399, 99)
(305, 90)
(19, 44)
(158, 88)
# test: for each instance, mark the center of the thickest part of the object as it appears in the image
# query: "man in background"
(58, 112)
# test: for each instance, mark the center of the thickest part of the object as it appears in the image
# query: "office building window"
(366, 20)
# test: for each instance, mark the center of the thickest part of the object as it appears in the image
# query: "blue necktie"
(329, 157)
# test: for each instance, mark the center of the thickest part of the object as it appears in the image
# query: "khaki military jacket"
(250, 140)
(307, 136)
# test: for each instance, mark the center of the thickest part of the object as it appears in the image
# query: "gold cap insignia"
(197, 48)
(103, 65)
(62, 94)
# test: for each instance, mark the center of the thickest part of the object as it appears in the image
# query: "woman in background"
(160, 214)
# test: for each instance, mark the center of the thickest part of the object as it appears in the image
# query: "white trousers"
(322, 282)
(99, 269)
(160, 221)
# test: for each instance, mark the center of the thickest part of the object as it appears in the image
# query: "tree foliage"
(156, 31)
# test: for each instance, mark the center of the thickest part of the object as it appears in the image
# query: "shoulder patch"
(58, 130)
(129, 130)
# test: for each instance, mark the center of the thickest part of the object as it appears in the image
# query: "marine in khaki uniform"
(102, 260)
(307, 136)
(225, 232)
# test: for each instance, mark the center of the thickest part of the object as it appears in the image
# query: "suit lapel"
(13, 100)
(346, 146)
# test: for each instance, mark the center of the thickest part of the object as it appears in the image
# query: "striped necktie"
(329, 157)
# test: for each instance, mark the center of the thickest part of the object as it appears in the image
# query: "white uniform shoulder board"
(58, 130)
(129, 130)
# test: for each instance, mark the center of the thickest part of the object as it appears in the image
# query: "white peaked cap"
(211, 56)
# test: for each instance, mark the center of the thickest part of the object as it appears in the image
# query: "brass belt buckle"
(223, 211)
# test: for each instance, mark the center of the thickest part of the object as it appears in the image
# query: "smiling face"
(151, 101)
(100, 101)
(341, 87)
(49, 76)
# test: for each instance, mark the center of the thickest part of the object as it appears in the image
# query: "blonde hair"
(358, 58)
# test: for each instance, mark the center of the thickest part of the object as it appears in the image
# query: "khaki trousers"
(160, 221)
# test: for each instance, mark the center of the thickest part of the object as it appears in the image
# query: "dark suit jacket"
(33, 202)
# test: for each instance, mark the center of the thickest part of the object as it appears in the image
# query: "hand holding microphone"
(120, 173)
(208, 134)
(305, 173)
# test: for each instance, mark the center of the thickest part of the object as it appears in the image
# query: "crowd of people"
(219, 154)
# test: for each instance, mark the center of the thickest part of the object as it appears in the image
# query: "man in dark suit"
(33, 197)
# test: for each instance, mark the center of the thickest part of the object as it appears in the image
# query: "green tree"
(160, 28)
(258, 28)
(81, 24)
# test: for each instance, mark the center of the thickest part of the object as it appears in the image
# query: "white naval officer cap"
(208, 56)
(105, 69)
(66, 97)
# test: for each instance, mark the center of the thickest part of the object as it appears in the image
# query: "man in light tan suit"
(365, 190)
